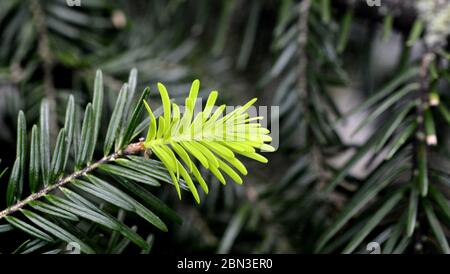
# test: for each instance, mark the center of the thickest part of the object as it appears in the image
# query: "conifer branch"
(131, 149)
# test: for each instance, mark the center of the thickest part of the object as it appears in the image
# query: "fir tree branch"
(304, 9)
(422, 140)
(131, 149)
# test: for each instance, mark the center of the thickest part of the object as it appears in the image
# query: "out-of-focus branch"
(404, 12)
(47, 61)
(304, 8)
(302, 41)
(131, 149)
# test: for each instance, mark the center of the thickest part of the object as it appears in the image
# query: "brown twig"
(302, 42)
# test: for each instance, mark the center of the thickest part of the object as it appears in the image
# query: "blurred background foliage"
(327, 188)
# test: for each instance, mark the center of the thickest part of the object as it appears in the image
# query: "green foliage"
(208, 136)
(334, 185)
(65, 196)
(404, 142)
